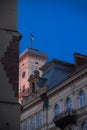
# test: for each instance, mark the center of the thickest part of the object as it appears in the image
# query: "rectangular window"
(39, 120)
(33, 123)
(27, 124)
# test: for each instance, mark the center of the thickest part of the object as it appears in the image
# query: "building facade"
(29, 61)
(58, 99)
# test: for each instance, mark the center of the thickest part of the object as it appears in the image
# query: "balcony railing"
(65, 118)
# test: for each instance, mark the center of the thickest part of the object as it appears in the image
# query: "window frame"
(69, 103)
(56, 110)
(33, 123)
(27, 124)
(39, 123)
(82, 98)
(84, 125)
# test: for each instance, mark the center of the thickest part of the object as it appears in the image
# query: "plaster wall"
(8, 14)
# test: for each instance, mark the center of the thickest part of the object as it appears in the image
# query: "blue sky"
(59, 27)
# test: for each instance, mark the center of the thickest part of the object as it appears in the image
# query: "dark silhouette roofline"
(76, 71)
(56, 61)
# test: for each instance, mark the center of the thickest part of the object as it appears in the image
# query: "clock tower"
(29, 61)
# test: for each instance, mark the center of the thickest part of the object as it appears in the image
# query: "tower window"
(22, 64)
(36, 62)
(23, 88)
(23, 74)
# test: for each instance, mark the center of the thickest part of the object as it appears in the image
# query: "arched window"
(56, 110)
(27, 125)
(23, 74)
(40, 120)
(84, 126)
(33, 123)
(69, 103)
(82, 99)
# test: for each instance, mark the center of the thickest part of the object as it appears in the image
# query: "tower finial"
(31, 39)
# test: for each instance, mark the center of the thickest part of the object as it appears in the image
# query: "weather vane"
(31, 39)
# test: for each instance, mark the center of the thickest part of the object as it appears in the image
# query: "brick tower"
(9, 66)
(29, 61)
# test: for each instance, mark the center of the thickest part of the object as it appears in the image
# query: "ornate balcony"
(65, 118)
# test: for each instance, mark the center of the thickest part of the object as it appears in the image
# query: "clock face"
(23, 74)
